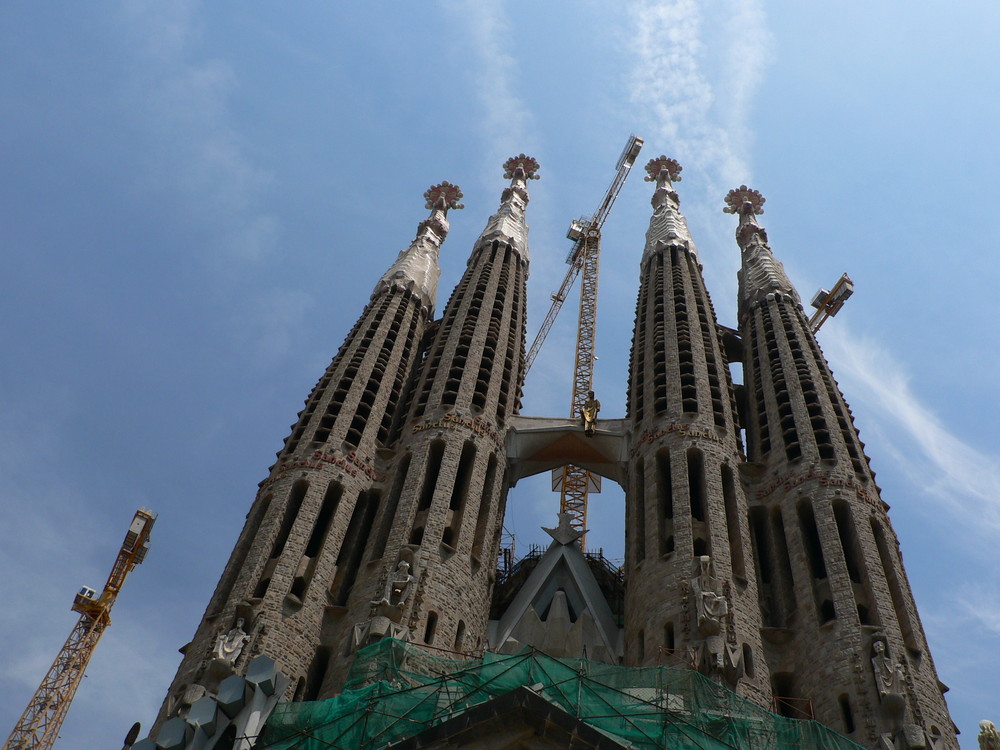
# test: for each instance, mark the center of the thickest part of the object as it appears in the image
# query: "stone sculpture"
(589, 415)
(229, 646)
(989, 737)
(398, 586)
(711, 608)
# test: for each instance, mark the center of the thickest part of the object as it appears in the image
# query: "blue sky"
(197, 198)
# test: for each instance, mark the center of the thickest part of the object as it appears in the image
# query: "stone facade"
(840, 625)
(684, 500)
(775, 572)
(298, 556)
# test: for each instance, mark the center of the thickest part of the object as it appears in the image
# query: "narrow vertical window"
(317, 671)
(321, 527)
(639, 506)
(664, 502)
(389, 514)
(867, 615)
(733, 527)
(668, 636)
(292, 507)
(846, 712)
(896, 591)
(349, 559)
(696, 484)
(485, 506)
(432, 621)
(785, 582)
(240, 553)
(460, 635)
(459, 494)
(814, 556)
(433, 470)
(698, 500)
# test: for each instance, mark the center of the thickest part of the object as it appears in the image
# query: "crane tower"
(572, 482)
(39, 725)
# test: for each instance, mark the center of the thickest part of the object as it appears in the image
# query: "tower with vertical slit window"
(758, 550)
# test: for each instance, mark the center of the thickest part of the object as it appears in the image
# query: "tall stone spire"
(299, 554)
(667, 227)
(416, 269)
(841, 628)
(439, 527)
(762, 273)
(507, 225)
(692, 592)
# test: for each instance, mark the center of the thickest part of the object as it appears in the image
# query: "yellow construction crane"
(829, 301)
(39, 725)
(575, 484)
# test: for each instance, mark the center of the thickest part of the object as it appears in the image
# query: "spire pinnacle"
(668, 227)
(443, 196)
(507, 224)
(416, 268)
(663, 169)
(520, 168)
(744, 201)
(762, 274)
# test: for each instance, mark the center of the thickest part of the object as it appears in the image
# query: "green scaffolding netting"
(395, 691)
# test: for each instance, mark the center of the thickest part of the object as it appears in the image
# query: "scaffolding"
(396, 690)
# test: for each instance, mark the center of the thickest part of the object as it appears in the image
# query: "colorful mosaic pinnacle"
(443, 196)
(743, 201)
(663, 167)
(520, 167)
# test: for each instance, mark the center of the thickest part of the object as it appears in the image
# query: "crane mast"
(584, 258)
(39, 725)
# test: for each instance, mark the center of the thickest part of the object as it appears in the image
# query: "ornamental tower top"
(762, 273)
(417, 267)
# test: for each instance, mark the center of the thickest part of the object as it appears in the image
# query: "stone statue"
(398, 586)
(989, 737)
(711, 608)
(891, 684)
(229, 646)
(885, 671)
(589, 415)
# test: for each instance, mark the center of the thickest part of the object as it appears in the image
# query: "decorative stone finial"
(443, 196)
(989, 737)
(661, 164)
(520, 167)
(744, 201)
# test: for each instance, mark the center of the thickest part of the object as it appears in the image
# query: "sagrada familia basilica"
(762, 601)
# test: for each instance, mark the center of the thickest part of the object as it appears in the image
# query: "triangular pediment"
(560, 609)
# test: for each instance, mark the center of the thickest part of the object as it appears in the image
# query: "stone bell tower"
(299, 554)
(839, 622)
(433, 558)
(692, 592)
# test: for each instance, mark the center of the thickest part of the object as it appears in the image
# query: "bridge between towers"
(537, 444)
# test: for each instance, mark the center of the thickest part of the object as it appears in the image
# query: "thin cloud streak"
(700, 113)
(963, 477)
(506, 120)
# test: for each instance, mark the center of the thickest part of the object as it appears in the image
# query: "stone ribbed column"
(841, 627)
(298, 555)
(691, 587)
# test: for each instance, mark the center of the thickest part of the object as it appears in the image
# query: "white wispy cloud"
(507, 123)
(696, 87)
(184, 99)
(695, 71)
(955, 472)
